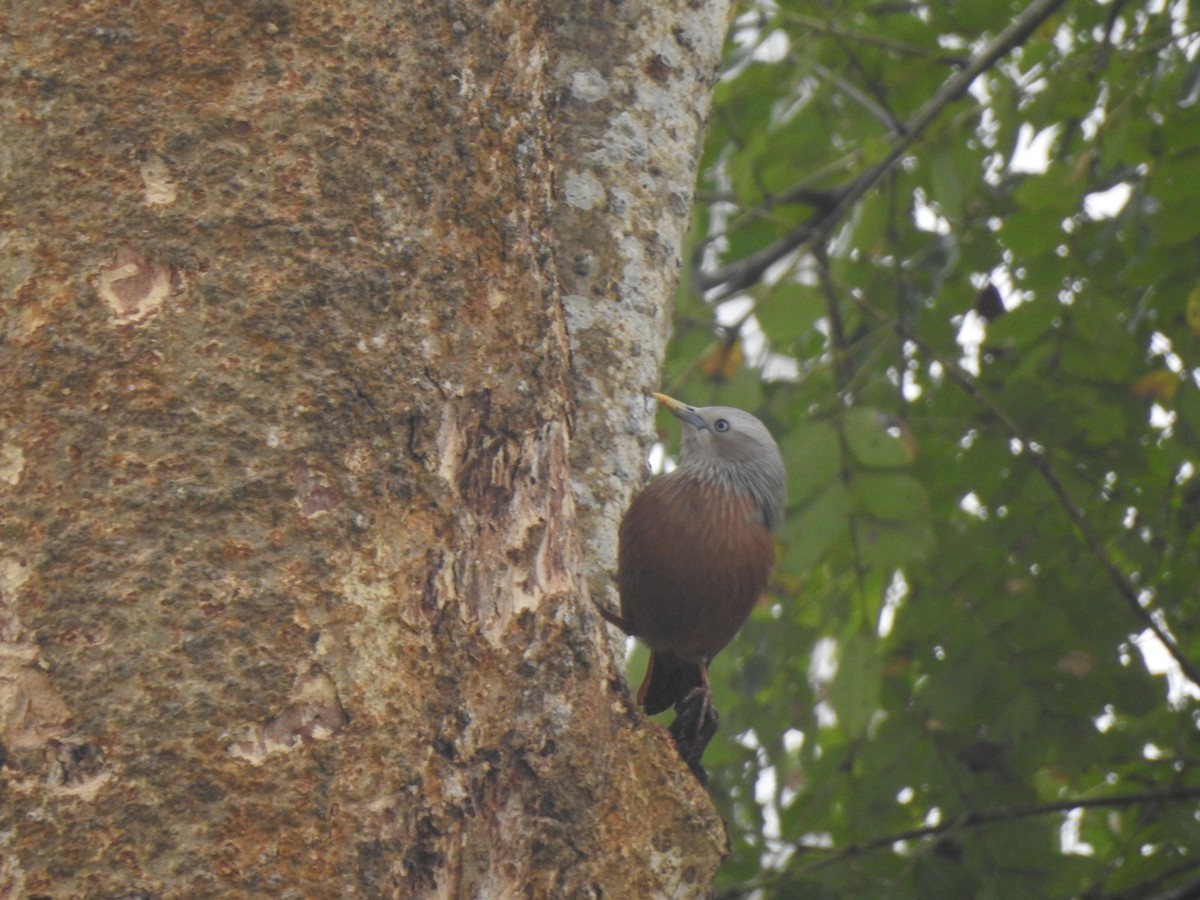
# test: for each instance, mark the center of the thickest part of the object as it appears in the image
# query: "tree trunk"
(325, 329)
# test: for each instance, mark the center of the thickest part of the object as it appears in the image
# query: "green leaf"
(939, 874)
(817, 526)
(948, 180)
(1047, 193)
(1032, 232)
(1025, 324)
(890, 496)
(888, 544)
(789, 310)
(812, 453)
(874, 439)
(1005, 637)
(854, 691)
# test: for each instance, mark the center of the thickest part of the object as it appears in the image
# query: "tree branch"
(903, 48)
(966, 821)
(991, 817)
(744, 272)
(1189, 890)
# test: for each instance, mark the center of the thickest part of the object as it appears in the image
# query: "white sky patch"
(987, 130)
(821, 669)
(773, 48)
(1160, 345)
(911, 387)
(793, 740)
(659, 461)
(764, 796)
(1032, 153)
(926, 217)
(823, 666)
(732, 310)
(1068, 835)
(1090, 126)
(1064, 40)
(1107, 204)
(972, 506)
(1162, 419)
(777, 850)
(777, 367)
(893, 596)
(773, 366)
(1159, 661)
(971, 332)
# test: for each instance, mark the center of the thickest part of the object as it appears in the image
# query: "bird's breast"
(694, 558)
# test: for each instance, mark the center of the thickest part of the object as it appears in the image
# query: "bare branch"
(967, 821)
(1189, 890)
(992, 816)
(823, 26)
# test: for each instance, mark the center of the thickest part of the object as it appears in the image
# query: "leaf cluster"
(972, 319)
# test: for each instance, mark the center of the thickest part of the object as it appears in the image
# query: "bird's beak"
(681, 410)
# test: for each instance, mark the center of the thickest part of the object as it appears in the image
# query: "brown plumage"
(694, 556)
(694, 559)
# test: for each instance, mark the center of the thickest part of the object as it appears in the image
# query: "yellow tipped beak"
(681, 410)
(675, 406)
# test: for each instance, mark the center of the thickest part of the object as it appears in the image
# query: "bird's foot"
(694, 726)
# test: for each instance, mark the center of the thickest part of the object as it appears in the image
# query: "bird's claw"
(695, 724)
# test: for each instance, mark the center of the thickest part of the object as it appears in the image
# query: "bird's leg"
(695, 724)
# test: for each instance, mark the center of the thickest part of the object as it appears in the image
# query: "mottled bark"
(292, 594)
(635, 81)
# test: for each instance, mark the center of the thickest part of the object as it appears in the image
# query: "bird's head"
(733, 448)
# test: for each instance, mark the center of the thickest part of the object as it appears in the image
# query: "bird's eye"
(720, 425)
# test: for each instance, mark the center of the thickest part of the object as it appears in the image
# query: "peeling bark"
(292, 561)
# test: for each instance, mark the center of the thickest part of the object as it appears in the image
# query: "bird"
(695, 552)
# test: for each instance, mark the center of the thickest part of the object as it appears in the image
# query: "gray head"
(734, 449)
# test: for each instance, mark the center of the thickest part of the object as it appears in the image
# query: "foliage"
(992, 428)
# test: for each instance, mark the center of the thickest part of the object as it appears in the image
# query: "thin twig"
(992, 816)
(962, 823)
(1141, 890)
(812, 23)
(861, 97)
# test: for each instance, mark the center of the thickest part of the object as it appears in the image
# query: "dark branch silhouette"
(964, 822)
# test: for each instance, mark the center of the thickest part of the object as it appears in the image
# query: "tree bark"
(324, 336)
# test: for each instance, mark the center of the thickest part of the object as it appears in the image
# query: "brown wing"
(693, 560)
